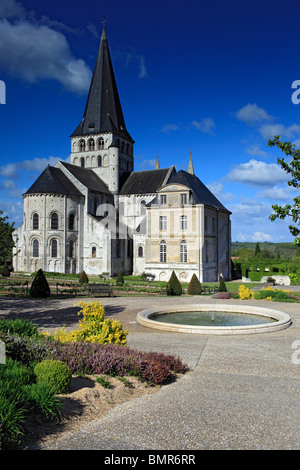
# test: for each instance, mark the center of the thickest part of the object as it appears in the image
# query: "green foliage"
(20, 398)
(194, 287)
(18, 326)
(103, 381)
(39, 287)
(6, 242)
(292, 168)
(222, 285)
(55, 373)
(174, 286)
(5, 270)
(120, 279)
(83, 279)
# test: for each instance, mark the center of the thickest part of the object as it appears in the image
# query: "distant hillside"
(285, 250)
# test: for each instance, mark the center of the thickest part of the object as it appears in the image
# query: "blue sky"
(213, 77)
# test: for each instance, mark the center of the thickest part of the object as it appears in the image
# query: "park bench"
(15, 287)
(69, 288)
(100, 289)
(209, 290)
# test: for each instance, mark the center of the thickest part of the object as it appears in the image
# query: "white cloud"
(278, 194)
(169, 128)
(261, 237)
(206, 125)
(255, 151)
(258, 174)
(252, 114)
(33, 51)
(217, 188)
(133, 55)
(12, 170)
(268, 131)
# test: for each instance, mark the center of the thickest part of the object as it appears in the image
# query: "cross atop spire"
(103, 21)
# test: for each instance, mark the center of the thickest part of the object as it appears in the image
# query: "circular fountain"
(215, 319)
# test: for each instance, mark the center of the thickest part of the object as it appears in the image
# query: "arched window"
(82, 146)
(140, 252)
(71, 222)
(183, 252)
(100, 144)
(82, 162)
(91, 145)
(99, 161)
(35, 248)
(71, 249)
(35, 221)
(54, 221)
(94, 252)
(54, 248)
(163, 252)
(143, 208)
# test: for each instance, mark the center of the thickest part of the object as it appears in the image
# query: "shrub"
(222, 295)
(245, 293)
(116, 360)
(94, 328)
(39, 286)
(83, 279)
(194, 287)
(18, 326)
(20, 397)
(54, 373)
(5, 270)
(174, 286)
(120, 279)
(24, 349)
(222, 285)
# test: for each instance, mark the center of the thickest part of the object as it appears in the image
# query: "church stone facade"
(99, 215)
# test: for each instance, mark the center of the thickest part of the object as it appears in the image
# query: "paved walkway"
(242, 391)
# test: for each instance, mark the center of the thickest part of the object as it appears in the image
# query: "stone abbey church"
(99, 215)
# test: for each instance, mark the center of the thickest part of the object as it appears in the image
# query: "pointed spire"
(157, 163)
(103, 111)
(191, 167)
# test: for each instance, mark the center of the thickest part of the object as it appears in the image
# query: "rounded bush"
(55, 373)
(83, 278)
(194, 287)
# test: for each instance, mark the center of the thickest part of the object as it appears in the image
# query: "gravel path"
(242, 391)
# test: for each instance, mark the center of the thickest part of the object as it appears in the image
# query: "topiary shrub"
(39, 286)
(194, 287)
(83, 279)
(120, 279)
(5, 270)
(174, 286)
(222, 285)
(55, 373)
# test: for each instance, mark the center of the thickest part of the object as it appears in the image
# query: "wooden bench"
(15, 287)
(209, 290)
(100, 289)
(68, 288)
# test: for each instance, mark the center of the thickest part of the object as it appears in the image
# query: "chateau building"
(99, 215)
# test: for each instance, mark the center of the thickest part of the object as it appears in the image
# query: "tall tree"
(257, 249)
(292, 168)
(6, 241)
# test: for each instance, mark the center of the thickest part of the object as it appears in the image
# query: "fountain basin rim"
(283, 320)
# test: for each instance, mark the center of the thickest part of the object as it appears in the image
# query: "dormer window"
(183, 198)
(163, 199)
(100, 144)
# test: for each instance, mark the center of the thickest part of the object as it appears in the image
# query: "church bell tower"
(101, 141)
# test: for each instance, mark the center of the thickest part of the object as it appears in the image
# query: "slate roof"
(145, 182)
(87, 177)
(200, 193)
(103, 112)
(53, 181)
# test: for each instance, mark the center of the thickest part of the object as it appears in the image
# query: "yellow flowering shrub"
(245, 293)
(93, 327)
